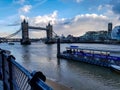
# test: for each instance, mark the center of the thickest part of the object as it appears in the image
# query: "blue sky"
(67, 16)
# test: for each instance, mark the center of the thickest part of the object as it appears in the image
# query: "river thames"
(76, 75)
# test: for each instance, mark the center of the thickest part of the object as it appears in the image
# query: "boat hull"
(84, 59)
(115, 68)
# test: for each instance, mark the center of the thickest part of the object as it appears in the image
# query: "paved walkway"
(56, 86)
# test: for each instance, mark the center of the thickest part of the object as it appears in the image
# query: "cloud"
(2, 22)
(89, 17)
(115, 6)
(13, 21)
(75, 1)
(19, 1)
(35, 3)
(22, 17)
(76, 26)
(25, 9)
(82, 23)
(38, 3)
(78, 1)
(44, 20)
(100, 7)
(13, 24)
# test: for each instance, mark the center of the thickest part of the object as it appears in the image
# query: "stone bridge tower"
(49, 32)
(25, 33)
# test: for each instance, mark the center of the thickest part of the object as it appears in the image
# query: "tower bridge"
(25, 32)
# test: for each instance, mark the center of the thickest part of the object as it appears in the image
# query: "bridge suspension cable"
(13, 34)
(55, 33)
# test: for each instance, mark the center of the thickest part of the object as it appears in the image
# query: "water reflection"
(49, 52)
(58, 61)
(26, 57)
(26, 53)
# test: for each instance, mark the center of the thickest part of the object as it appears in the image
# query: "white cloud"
(38, 3)
(19, 1)
(76, 26)
(25, 9)
(22, 17)
(89, 17)
(78, 1)
(100, 7)
(44, 20)
(75, 1)
(83, 23)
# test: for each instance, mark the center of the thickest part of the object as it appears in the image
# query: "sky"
(73, 17)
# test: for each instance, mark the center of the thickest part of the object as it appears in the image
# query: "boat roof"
(77, 47)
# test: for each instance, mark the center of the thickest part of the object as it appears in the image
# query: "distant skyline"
(67, 16)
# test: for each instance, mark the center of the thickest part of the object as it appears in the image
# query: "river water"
(76, 75)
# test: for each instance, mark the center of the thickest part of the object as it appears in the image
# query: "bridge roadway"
(37, 28)
(18, 40)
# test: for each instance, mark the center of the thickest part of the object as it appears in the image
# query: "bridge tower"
(49, 33)
(25, 34)
(109, 30)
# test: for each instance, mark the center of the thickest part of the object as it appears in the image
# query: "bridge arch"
(25, 32)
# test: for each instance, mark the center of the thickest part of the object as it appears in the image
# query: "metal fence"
(16, 77)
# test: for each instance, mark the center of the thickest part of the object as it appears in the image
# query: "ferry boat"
(92, 56)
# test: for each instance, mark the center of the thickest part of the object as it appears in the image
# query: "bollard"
(58, 47)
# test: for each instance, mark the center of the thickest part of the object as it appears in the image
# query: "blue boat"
(92, 56)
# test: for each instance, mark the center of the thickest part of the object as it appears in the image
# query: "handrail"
(16, 77)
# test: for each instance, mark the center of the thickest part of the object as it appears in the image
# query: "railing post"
(10, 71)
(58, 47)
(37, 76)
(3, 70)
(0, 65)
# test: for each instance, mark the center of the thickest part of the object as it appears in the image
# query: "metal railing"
(16, 77)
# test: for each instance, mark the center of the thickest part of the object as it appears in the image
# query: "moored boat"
(92, 56)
